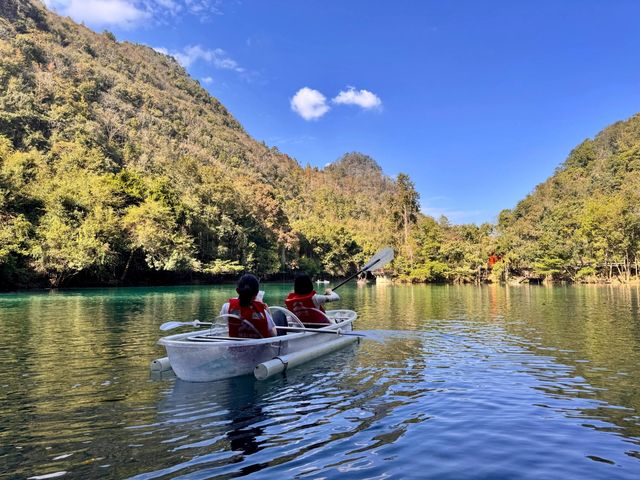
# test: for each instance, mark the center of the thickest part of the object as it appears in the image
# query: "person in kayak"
(308, 305)
(254, 318)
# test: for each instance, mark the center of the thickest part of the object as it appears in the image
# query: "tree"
(405, 208)
(152, 228)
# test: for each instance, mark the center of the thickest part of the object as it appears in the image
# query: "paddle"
(314, 330)
(379, 260)
(172, 325)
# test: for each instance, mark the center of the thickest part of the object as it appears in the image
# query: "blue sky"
(478, 101)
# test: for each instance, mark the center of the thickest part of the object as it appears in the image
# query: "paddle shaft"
(313, 330)
(171, 325)
(368, 267)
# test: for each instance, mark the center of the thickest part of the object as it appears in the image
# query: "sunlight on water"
(456, 382)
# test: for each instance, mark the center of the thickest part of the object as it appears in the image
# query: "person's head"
(248, 287)
(302, 284)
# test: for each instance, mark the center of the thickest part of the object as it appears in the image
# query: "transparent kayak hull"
(198, 357)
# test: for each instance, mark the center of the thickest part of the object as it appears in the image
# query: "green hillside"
(117, 166)
(583, 223)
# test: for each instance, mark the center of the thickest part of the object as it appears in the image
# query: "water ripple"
(480, 384)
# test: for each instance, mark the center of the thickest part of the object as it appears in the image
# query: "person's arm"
(329, 296)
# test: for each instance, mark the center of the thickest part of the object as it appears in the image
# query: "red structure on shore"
(493, 259)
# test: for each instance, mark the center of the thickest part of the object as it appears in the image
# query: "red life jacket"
(304, 308)
(253, 316)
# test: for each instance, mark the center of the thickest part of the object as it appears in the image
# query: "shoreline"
(561, 283)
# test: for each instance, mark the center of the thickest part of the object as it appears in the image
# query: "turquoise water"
(463, 382)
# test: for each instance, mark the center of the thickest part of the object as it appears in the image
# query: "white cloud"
(173, 7)
(362, 98)
(55, 4)
(207, 80)
(310, 104)
(193, 53)
(122, 13)
(204, 6)
(131, 13)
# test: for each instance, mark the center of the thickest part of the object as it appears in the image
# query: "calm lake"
(465, 382)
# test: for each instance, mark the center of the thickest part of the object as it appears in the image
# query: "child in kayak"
(308, 305)
(254, 318)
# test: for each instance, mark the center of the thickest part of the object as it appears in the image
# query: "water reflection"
(239, 398)
(473, 382)
(238, 426)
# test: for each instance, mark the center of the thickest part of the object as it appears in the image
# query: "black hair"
(302, 284)
(248, 287)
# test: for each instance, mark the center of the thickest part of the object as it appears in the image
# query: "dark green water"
(465, 382)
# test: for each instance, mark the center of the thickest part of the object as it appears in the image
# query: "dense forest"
(116, 167)
(583, 223)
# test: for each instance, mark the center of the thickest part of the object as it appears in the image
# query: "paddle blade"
(171, 325)
(379, 260)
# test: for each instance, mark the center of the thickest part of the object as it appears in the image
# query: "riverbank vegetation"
(116, 168)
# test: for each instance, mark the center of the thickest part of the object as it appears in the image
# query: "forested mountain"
(116, 167)
(581, 224)
(584, 221)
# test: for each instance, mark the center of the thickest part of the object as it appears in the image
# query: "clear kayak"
(208, 355)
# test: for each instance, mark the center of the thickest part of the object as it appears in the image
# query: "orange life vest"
(253, 322)
(304, 308)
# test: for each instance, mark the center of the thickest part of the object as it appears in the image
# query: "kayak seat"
(239, 327)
